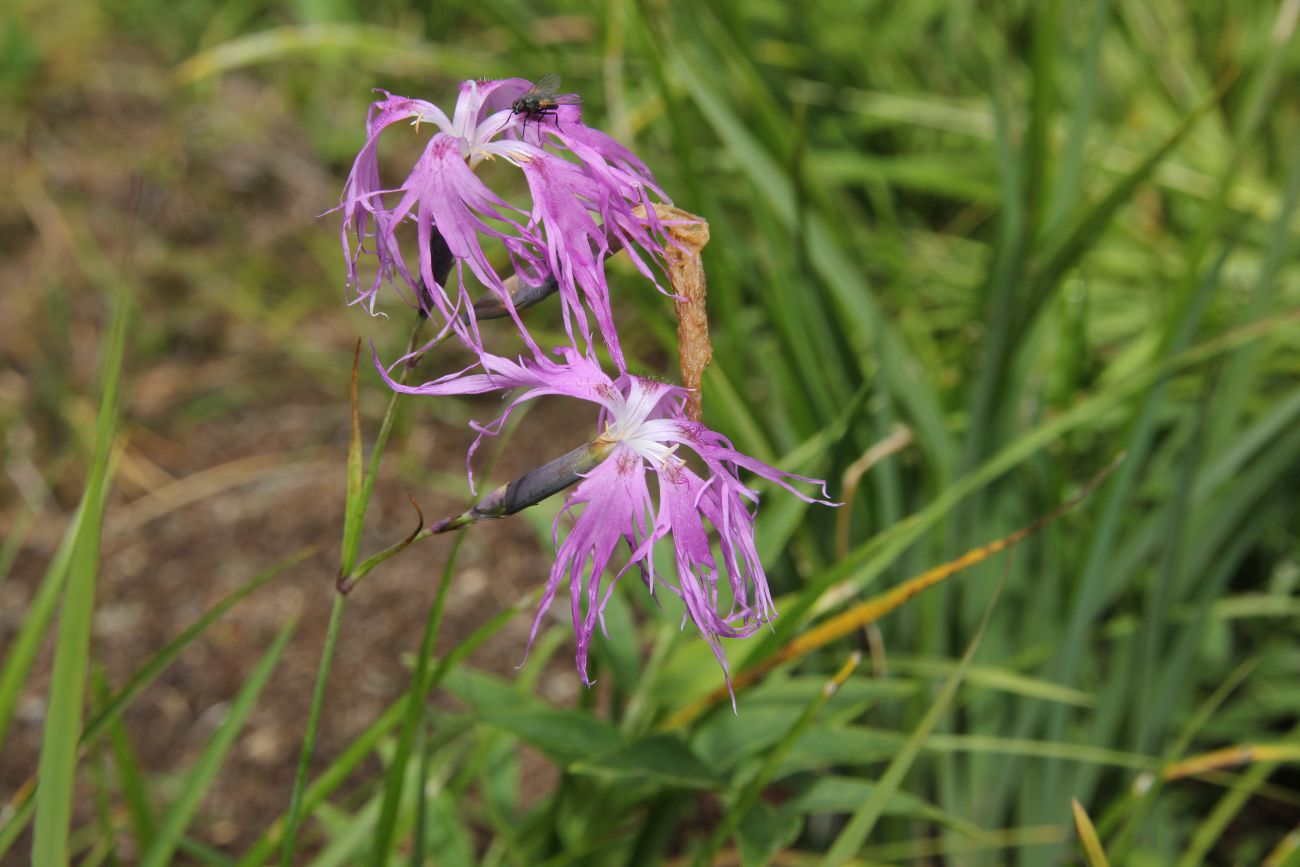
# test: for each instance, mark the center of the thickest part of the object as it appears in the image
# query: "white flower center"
(632, 427)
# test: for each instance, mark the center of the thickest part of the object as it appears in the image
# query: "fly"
(542, 101)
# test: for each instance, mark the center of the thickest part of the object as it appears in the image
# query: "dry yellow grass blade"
(1088, 840)
(1241, 754)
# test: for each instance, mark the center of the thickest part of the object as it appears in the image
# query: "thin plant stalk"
(360, 487)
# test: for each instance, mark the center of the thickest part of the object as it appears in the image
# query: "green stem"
(420, 684)
(527, 490)
(309, 737)
(356, 511)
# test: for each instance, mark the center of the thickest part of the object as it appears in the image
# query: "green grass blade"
(1088, 842)
(22, 652)
(295, 814)
(1240, 367)
(1212, 828)
(146, 674)
(112, 710)
(17, 823)
(420, 681)
(1067, 253)
(102, 798)
(1066, 190)
(392, 48)
(67, 690)
(361, 484)
(854, 834)
(360, 748)
(873, 336)
(200, 777)
(203, 853)
(354, 511)
(748, 796)
(13, 544)
(130, 779)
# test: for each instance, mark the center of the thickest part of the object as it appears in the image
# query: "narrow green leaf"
(200, 777)
(748, 796)
(13, 544)
(146, 674)
(1069, 250)
(295, 814)
(394, 49)
(129, 776)
(567, 736)
(355, 507)
(657, 758)
(22, 652)
(853, 835)
(63, 722)
(361, 747)
(204, 853)
(398, 769)
(1092, 851)
(844, 794)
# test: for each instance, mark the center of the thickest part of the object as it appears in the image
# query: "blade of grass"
(164, 657)
(869, 559)
(748, 796)
(873, 609)
(1088, 230)
(389, 48)
(876, 341)
(1092, 851)
(20, 807)
(854, 834)
(1287, 851)
(203, 853)
(420, 681)
(13, 544)
(931, 849)
(200, 777)
(58, 760)
(129, 778)
(1211, 829)
(295, 813)
(361, 747)
(22, 652)
(361, 484)
(98, 762)
(1066, 190)
(1239, 368)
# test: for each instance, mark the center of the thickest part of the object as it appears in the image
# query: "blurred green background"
(1010, 241)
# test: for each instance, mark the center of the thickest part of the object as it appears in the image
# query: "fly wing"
(568, 99)
(546, 85)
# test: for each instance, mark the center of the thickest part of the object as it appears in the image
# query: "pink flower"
(578, 209)
(643, 430)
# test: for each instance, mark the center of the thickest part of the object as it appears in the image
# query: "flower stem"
(309, 736)
(358, 501)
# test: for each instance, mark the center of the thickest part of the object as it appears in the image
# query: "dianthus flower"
(589, 196)
(642, 428)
